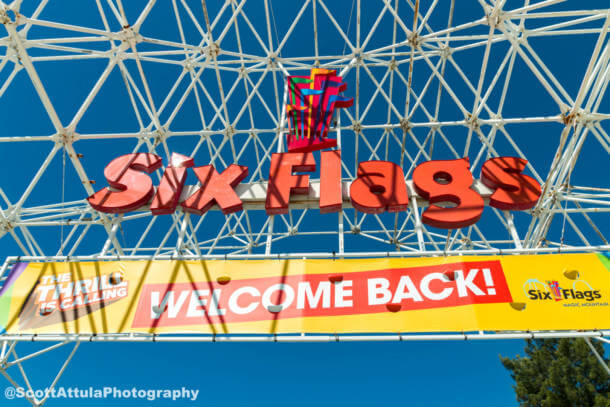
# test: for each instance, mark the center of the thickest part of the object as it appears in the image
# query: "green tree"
(559, 372)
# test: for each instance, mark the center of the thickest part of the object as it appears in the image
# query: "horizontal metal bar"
(254, 195)
(318, 255)
(301, 337)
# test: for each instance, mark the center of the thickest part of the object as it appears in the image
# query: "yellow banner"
(491, 293)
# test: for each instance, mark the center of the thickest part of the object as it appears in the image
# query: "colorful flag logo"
(311, 102)
(555, 289)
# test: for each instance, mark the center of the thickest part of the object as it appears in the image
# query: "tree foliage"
(559, 372)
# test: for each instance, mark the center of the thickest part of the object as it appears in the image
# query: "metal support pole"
(597, 355)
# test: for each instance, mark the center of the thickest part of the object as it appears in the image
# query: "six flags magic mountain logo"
(379, 186)
(535, 289)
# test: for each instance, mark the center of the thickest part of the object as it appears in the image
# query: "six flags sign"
(379, 186)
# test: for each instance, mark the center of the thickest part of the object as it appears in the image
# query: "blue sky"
(405, 373)
(408, 373)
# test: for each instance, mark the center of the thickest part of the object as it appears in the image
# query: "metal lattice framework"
(414, 101)
(208, 80)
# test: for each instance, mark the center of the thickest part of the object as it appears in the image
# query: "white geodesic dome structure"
(84, 83)
(210, 82)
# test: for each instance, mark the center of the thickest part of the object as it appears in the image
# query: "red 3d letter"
(282, 182)
(216, 188)
(448, 181)
(170, 188)
(331, 195)
(379, 187)
(133, 188)
(514, 191)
